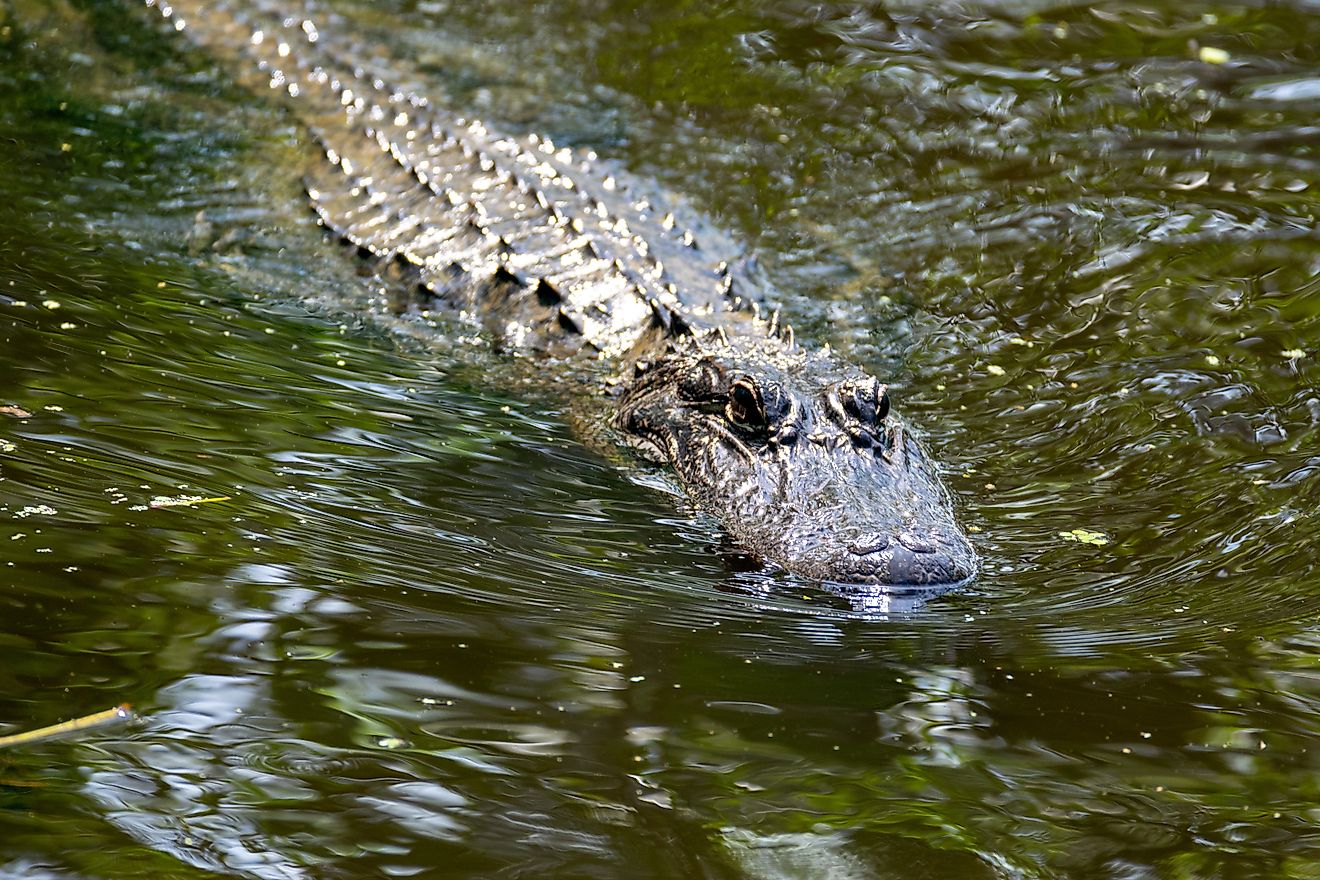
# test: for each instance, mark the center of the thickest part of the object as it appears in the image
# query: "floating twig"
(121, 713)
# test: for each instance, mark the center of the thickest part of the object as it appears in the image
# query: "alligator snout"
(911, 560)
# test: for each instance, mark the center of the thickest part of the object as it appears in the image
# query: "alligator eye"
(746, 409)
(867, 402)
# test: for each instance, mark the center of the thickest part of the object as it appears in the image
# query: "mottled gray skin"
(555, 255)
(801, 460)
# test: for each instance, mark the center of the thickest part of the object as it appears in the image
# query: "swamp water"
(427, 632)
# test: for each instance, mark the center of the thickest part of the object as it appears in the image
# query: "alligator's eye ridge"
(746, 409)
(867, 402)
(703, 382)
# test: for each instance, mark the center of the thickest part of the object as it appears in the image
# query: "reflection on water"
(429, 632)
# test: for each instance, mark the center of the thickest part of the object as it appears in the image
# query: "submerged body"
(794, 451)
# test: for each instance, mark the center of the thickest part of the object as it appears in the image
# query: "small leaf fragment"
(1086, 536)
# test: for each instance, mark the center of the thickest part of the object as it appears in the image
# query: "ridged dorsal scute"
(490, 222)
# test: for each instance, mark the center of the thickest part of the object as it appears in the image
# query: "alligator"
(798, 454)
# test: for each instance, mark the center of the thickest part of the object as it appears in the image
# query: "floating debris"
(119, 714)
(1213, 55)
(1292, 354)
(1192, 181)
(183, 501)
(16, 411)
(1085, 536)
(36, 509)
(994, 370)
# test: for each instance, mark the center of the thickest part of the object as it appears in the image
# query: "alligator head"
(801, 460)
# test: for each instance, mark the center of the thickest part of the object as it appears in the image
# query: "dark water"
(430, 633)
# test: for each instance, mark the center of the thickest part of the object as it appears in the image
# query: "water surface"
(432, 633)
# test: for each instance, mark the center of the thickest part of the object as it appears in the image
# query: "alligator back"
(534, 241)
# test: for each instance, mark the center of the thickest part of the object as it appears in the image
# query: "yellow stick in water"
(122, 712)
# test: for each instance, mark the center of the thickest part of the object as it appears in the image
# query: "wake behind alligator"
(796, 453)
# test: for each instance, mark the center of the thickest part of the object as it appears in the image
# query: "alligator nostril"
(869, 543)
(916, 543)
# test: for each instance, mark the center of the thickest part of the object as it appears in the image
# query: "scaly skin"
(795, 452)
